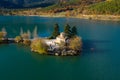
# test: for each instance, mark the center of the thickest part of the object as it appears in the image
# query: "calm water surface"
(17, 62)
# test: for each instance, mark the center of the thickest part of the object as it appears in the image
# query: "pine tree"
(74, 30)
(67, 30)
(56, 31)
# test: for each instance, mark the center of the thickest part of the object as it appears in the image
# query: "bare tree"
(35, 35)
(21, 31)
(4, 32)
(29, 34)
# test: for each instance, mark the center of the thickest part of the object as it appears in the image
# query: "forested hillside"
(14, 4)
(64, 5)
(53, 7)
(107, 7)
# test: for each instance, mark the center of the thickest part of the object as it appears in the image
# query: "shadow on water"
(42, 57)
(93, 46)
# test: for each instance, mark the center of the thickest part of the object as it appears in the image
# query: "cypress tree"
(74, 30)
(56, 31)
(67, 30)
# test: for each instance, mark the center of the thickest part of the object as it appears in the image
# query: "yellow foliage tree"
(27, 42)
(18, 39)
(1, 34)
(75, 43)
(38, 45)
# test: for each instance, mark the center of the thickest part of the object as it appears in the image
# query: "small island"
(65, 43)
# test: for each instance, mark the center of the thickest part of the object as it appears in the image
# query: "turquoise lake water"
(17, 62)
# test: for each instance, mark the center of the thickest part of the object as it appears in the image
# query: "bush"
(18, 39)
(38, 45)
(75, 43)
(27, 42)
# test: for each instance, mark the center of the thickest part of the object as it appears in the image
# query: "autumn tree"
(18, 39)
(39, 45)
(75, 43)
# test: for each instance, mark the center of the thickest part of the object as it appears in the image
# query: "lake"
(17, 62)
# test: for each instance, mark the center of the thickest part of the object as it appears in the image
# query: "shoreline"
(100, 17)
(89, 17)
(80, 16)
(105, 17)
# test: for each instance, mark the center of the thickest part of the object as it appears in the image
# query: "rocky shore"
(64, 52)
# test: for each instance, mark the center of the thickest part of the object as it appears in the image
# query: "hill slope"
(72, 8)
(65, 5)
(25, 3)
(107, 7)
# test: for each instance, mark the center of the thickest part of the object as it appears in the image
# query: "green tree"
(67, 30)
(74, 30)
(56, 31)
